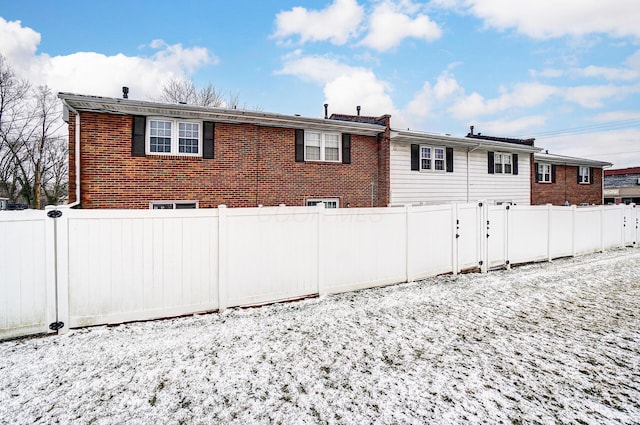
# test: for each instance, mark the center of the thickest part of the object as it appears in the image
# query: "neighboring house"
(138, 154)
(558, 180)
(622, 186)
(434, 169)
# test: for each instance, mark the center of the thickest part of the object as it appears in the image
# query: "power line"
(606, 126)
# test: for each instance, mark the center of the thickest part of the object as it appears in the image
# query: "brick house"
(139, 154)
(557, 179)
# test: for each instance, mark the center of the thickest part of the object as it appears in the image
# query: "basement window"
(173, 205)
(328, 202)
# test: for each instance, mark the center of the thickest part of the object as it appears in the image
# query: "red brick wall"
(253, 165)
(566, 188)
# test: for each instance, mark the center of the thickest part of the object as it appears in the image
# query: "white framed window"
(321, 146)
(502, 163)
(544, 173)
(173, 137)
(584, 173)
(328, 202)
(173, 205)
(432, 158)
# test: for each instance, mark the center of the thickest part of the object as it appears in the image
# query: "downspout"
(77, 155)
(468, 152)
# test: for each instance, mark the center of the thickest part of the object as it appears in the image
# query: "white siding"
(411, 187)
(428, 187)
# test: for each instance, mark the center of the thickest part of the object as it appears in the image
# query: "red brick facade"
(253, 165)
(566, 188)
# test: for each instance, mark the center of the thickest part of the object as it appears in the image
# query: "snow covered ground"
(545, 343)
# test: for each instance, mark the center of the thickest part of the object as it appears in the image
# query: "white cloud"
(551, 18)
(547, 73)
(344, 86)
(608, 73)
(523, 95)
(95, 73)
(389, 24)
(513, 127)
(430, 97)
(337, 23)
(617, 116)
(594, 96)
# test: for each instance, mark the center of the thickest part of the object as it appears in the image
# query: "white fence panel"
(430, 241)
(588, 230)
(612, 227)
(139, 265)
(561, 232)
(469, 243)
(272, 254)
(528, 233)
(362, 248)
(497, 235)
(27, 280)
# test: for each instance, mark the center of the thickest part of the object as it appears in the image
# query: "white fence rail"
(90, 267)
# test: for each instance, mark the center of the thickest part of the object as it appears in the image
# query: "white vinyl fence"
(71, 268)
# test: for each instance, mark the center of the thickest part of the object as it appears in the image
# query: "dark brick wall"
(566, 188)
(253, 165)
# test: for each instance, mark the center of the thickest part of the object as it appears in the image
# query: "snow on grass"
(545, 343)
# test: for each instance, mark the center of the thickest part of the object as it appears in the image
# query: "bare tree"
(33, 153)
(184, 90)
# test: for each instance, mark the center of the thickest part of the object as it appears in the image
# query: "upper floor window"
(502, 163)
(544, 173)
(584, 175)
(432, 158)
(173, 137)
(321, 146)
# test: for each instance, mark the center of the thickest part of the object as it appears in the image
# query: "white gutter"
(77, 154)
(469, 150)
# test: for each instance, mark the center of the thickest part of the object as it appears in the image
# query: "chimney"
(326, 110)
(125, 92)
(358, 110)
(471, 127)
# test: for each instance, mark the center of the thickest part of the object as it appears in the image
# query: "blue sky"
(566, 71)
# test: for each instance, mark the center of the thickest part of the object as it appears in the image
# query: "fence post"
(455, 234)
(223, 261)
(601, 228)
(320, 272)
(50, 272)
(507, 236)
(407, 233)
(548, 232)
(483, 231)
(60, 217)
(573, 230)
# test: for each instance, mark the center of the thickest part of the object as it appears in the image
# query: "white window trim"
(174, 137)
(544, 174)
(324, 200)
(432, 160)
(323, 135)
(587, 176)
(502, 155)
(174, 203)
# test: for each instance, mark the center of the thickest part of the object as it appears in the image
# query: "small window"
(584, 175)
(544, 173)
(328, 202)
(432, 158)
(173, 205)
(320, 146)
(502, 163)
(172, 137)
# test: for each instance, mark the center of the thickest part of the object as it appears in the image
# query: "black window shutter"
(490, 166)
(515, 164)
(578, 173)
(415, 157)
(346, 148)
(553, 173)
(590, 175)
(535, 171)
(208, 133)
(449, 154)
(137, 135)
(299, 145)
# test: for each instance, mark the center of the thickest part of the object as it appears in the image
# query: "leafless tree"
(33, 153)
(184, 90)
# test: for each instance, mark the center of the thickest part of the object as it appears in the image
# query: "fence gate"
(469, 248)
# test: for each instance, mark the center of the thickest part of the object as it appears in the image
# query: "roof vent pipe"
(326, 110)
(471, 127)
(125, 92)
(358, 110)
